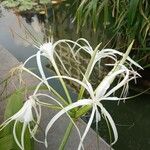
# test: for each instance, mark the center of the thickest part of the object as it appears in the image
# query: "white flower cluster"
(121, 69)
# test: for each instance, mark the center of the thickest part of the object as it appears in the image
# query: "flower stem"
(66, 136)
(62, 82)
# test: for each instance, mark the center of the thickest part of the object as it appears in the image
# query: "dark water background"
(132, 118)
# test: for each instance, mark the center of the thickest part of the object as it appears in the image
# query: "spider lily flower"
(25, 116)
(54, 100)
(48, 50)
(93, 102)
(102, 92)
(97, 55)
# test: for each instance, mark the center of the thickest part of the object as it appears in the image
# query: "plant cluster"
(118, 78)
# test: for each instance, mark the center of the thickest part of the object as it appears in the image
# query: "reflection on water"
(9, 23)
(132, 118)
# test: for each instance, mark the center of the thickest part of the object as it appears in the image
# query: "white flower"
(47, 49)
(25, 116)
(102, 92)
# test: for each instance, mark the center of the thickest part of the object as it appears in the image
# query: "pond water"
(132, 117)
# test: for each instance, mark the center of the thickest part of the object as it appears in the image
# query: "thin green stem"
(66, 136)
(62, 82)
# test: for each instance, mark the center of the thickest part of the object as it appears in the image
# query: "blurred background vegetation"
(112, 22)
(127, 19)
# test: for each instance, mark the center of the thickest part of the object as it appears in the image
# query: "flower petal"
(87, 128)
(22, 135)
(39, 64)
(111, 121)
(15, 136)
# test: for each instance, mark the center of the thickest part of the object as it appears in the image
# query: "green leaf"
(7, 143)
(14, 103)
(133, 5)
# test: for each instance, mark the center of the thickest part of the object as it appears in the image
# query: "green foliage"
(15, 102)
(127, 19)
(133, 5)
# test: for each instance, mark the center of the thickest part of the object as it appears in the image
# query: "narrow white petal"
(22, 134)
(110, 98)
(29, 59)
(125, 79)
(15, 136)
(33, 135)
(111, 121)
(33, 74)
(39, 64)
(86, 42)
(101, 90)
(52, 98)
(5, 123)
(68, 78)
(66, 41)
(87, 128)
(38, 116)
(121, 54)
